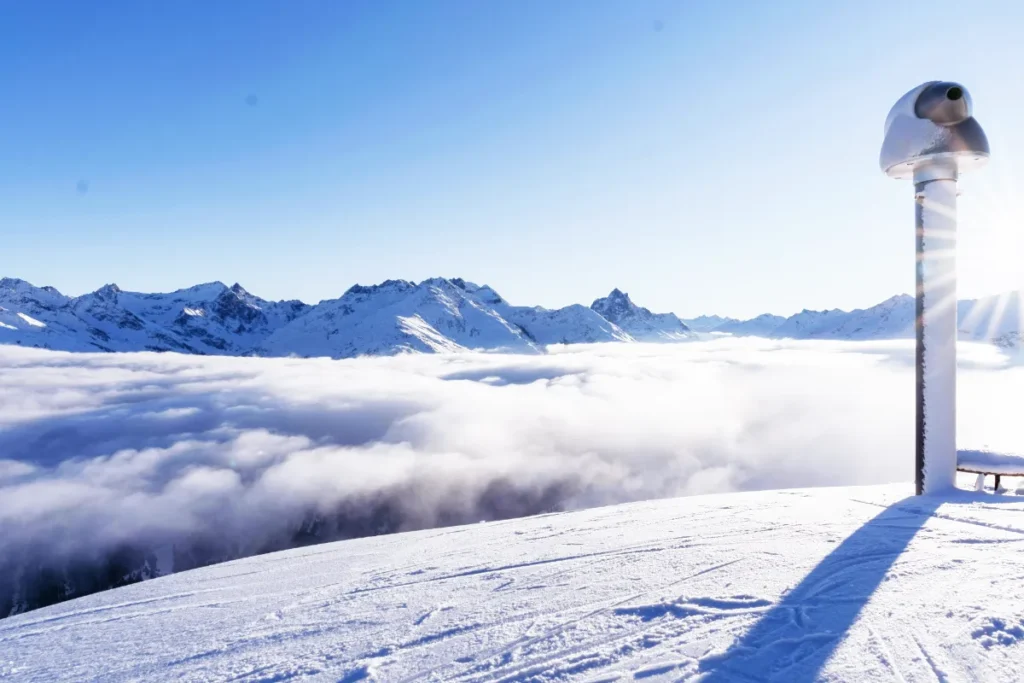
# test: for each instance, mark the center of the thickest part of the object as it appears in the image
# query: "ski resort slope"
(850, 584)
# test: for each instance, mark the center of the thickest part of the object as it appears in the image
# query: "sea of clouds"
(99, 451)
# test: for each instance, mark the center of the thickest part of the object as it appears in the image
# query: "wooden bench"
(984, 463)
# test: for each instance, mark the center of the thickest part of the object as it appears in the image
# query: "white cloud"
(101, 450)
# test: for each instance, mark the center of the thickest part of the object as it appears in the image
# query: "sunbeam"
(997, 316)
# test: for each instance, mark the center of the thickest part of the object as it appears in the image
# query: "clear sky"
(712, 157)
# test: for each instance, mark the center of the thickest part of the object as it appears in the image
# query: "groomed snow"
(855, 584)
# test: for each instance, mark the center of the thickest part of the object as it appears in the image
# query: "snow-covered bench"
(989, 462)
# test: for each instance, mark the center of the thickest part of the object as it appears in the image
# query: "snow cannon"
(932, 137)
(930, 133)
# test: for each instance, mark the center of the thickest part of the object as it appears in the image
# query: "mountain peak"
(214, 286)
(638, 321)
(618, 294)
(14, 283)
(484, 293)
(238, 289)
(387, 285)
(108, 291)
(615, 305)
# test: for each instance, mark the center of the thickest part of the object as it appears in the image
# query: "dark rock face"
(615, 306)
(637, 320)
(231, 306)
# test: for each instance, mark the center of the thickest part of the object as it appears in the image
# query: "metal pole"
(932, 136)
(935, 190)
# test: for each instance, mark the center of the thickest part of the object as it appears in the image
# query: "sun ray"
(938, 255)
(977, 312)
(1019, 322)
(942, 304)
(939, 234)
(939, 208)
(941, 280)
(997, 316)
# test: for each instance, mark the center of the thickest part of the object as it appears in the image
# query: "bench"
(984, 463)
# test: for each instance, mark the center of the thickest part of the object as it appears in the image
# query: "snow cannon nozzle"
(930, 130)
(945, 104)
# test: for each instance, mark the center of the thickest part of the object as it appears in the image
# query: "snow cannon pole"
(932, 137)
(936, 327)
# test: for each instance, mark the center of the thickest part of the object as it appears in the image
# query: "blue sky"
(706, 157)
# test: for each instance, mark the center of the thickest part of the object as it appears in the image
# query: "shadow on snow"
(793, 641)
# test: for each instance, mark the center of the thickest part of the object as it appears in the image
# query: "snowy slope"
(707, 323)
(210, 318)
(206, 318)
(574, 324)
(639, 322)
(857, 585)
(41, 316)
(762, 326)
(398, 316)
(435, 315)
(809, 324)
(891, 319)
(997, 319)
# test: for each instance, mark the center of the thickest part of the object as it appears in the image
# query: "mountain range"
(435, 315)
(996, 319)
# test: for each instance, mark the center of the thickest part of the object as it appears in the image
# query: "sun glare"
(991, 237)
(990, 251)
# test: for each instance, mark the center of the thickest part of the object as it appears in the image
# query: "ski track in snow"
(857, 584)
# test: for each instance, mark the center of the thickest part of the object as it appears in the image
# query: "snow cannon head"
(931, 130)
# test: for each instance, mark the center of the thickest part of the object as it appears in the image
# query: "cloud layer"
(243, 455)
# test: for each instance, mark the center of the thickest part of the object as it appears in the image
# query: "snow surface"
(990, 462)
(855, 584)
(31, 321)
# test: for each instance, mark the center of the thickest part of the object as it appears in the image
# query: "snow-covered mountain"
(838, 584)
(209, 317)
(997, 319)
(41, 316)
(395, 316)
(810, 324)
(761, 326)
(639, 322)
(206, 319)
(707, 323)
(575, 324)
(438, 314)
